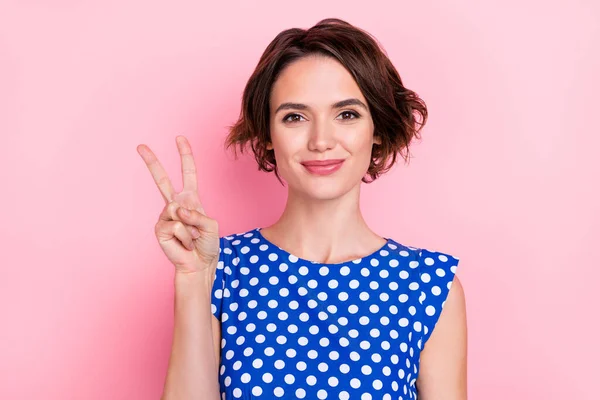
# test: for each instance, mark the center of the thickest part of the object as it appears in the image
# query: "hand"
(190, 242)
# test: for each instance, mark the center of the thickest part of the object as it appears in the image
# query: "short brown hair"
(392, 105)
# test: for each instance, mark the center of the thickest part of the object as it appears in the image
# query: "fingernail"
(195, 233)
(185, 211)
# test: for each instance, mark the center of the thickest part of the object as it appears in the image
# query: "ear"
(269, 146)
(377, 139)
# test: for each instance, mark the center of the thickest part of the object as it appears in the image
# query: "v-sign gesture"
(187, 236)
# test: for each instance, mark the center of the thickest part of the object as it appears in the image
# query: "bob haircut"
(392, 106)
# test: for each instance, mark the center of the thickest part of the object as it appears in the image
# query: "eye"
(351, 113)
(288, 120)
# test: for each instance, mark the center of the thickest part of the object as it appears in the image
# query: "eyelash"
(354, 113)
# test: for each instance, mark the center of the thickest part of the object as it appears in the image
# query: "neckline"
(300, 259)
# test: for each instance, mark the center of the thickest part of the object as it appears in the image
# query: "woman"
(316, 305)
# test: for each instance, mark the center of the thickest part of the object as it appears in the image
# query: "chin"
(325, 189)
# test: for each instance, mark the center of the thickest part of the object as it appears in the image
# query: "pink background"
(506, 177)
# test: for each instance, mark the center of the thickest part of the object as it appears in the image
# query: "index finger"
(188, 166)
(158, 172)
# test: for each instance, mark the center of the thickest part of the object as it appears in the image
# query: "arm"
(193, 365)
(443, 371)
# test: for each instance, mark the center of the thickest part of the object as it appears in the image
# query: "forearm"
(193, 370)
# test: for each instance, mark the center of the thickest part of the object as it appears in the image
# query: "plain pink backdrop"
(506, 177)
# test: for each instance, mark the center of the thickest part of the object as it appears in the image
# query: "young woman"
(317, 305)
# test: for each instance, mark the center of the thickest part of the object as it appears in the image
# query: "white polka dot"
(279, 364)
(278, 391)
(323, 271)
(245, 377)
(429, 261)
(377, 384)
(303, 271)
(344, 368)
(237, 392)
(430, 310)
(257, 363)
(394, 263)
(257, 390)
(403, 322)
(301, 365)
(289, 379)
(344, 271)
(374, 262)
(355, 383)
(291, 353)
(311, 380)
(436, 291)
(343, 296)
(300, 393)
(322, 394)
(333, 381)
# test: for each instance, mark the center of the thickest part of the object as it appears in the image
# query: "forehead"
(314, 80)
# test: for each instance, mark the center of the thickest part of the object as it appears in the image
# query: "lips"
(322, 167)
(322, 163)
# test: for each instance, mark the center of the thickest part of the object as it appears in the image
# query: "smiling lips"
(322, 167)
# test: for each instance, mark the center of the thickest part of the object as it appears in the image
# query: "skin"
(322, 220)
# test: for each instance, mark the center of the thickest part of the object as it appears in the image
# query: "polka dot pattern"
(294, 328)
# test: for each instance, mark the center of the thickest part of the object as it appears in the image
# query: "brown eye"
(351, 114)
(293, 119)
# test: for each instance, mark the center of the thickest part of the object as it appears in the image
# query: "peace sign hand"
(190, 242)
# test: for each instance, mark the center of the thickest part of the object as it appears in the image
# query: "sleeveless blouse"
(294, 329)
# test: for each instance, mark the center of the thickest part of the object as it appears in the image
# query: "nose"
(321, 137)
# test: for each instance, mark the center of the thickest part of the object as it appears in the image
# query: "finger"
(188, 166)
(197, 219)
(158, 172)
(167, 230)
(169, 213)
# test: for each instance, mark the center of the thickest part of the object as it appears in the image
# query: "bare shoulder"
(443, 362)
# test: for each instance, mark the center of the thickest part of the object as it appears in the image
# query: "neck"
(327, 231)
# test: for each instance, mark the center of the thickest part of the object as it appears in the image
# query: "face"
(318, 114)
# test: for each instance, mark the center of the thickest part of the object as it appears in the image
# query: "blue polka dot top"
(293, 328)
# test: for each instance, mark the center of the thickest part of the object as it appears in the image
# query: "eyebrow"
(339, 104)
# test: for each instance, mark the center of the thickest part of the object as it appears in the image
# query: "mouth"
(322, 167)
